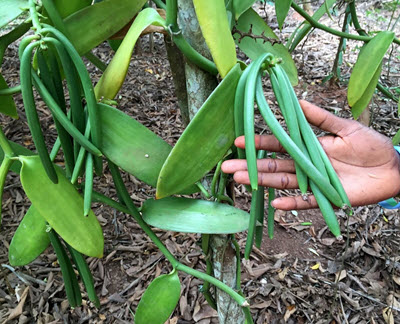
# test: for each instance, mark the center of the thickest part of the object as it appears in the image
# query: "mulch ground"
(303, 275)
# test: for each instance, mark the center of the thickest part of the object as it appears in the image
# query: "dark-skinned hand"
(366, 162)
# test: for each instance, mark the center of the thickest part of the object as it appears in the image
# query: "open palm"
(365, 161)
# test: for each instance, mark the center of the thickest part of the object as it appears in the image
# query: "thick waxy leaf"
(194, 216)
(133, 147)
(204, 142)
(240, 6)
(253, 48)
(363, 102)
(159, 300)
(29, 240)
(62, 207)
(113, 77)
(282, 8)
(68, 7)
(7, 104)
(11, 9)
(94, 24)
(214, 25)
(18, 150)
(368, 62)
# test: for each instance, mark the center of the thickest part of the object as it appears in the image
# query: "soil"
(302, 275)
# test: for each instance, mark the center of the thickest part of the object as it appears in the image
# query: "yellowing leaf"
(113, 77)
(316, 266)
(214, 25)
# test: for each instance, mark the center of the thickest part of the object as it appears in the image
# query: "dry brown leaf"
(203, 311)
(17, 311)
(173, 320)
(289, 311)
(388, 315)
(282, 274)
(370, 251)
(340, 275)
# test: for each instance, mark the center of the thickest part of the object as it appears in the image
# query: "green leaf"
(18, 150)
(68, 7)
(194, 216)
(30, 239)
(83, 26)
(62, 207)
(216, 30)
(253, 48)
(204, 142)
(363, 102)
(11, 9)
(113, 77)
(114, 44)
(7, 104)
(240, 6)
(133, 147)
(368, 62)
(282, 8)
(159, 300)
(396, 138)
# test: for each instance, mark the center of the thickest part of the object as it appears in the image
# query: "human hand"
(366, 162)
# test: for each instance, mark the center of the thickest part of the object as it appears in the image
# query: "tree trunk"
(199, 85)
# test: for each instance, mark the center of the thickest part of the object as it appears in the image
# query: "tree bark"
(175, 58)
(199, 85)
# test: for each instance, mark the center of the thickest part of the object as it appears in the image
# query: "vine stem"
(5, 145)
(35, 17)
(332, 31)
(120, 187)
(10, 91)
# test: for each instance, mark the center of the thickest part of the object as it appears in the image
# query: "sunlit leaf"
(215, 27)
(113, 77)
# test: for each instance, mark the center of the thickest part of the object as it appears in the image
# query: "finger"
(263, 142)
(326, 121)
(281, 180)
(294, 203)
(263, 165)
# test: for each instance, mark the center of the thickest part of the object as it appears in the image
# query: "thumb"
(325, 120)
